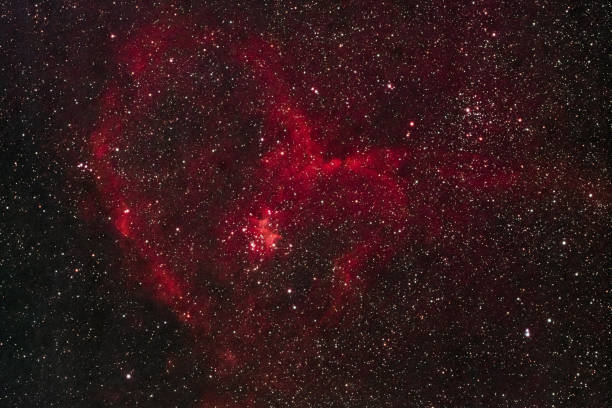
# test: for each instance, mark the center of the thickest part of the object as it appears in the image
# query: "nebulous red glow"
(264, 221)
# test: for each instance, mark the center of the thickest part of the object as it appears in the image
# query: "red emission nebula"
(280, 215)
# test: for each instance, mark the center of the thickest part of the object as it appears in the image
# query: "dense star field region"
(305, 204)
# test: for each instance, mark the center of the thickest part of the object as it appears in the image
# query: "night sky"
(305, 204)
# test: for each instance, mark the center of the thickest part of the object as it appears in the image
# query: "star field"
(304, 204)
